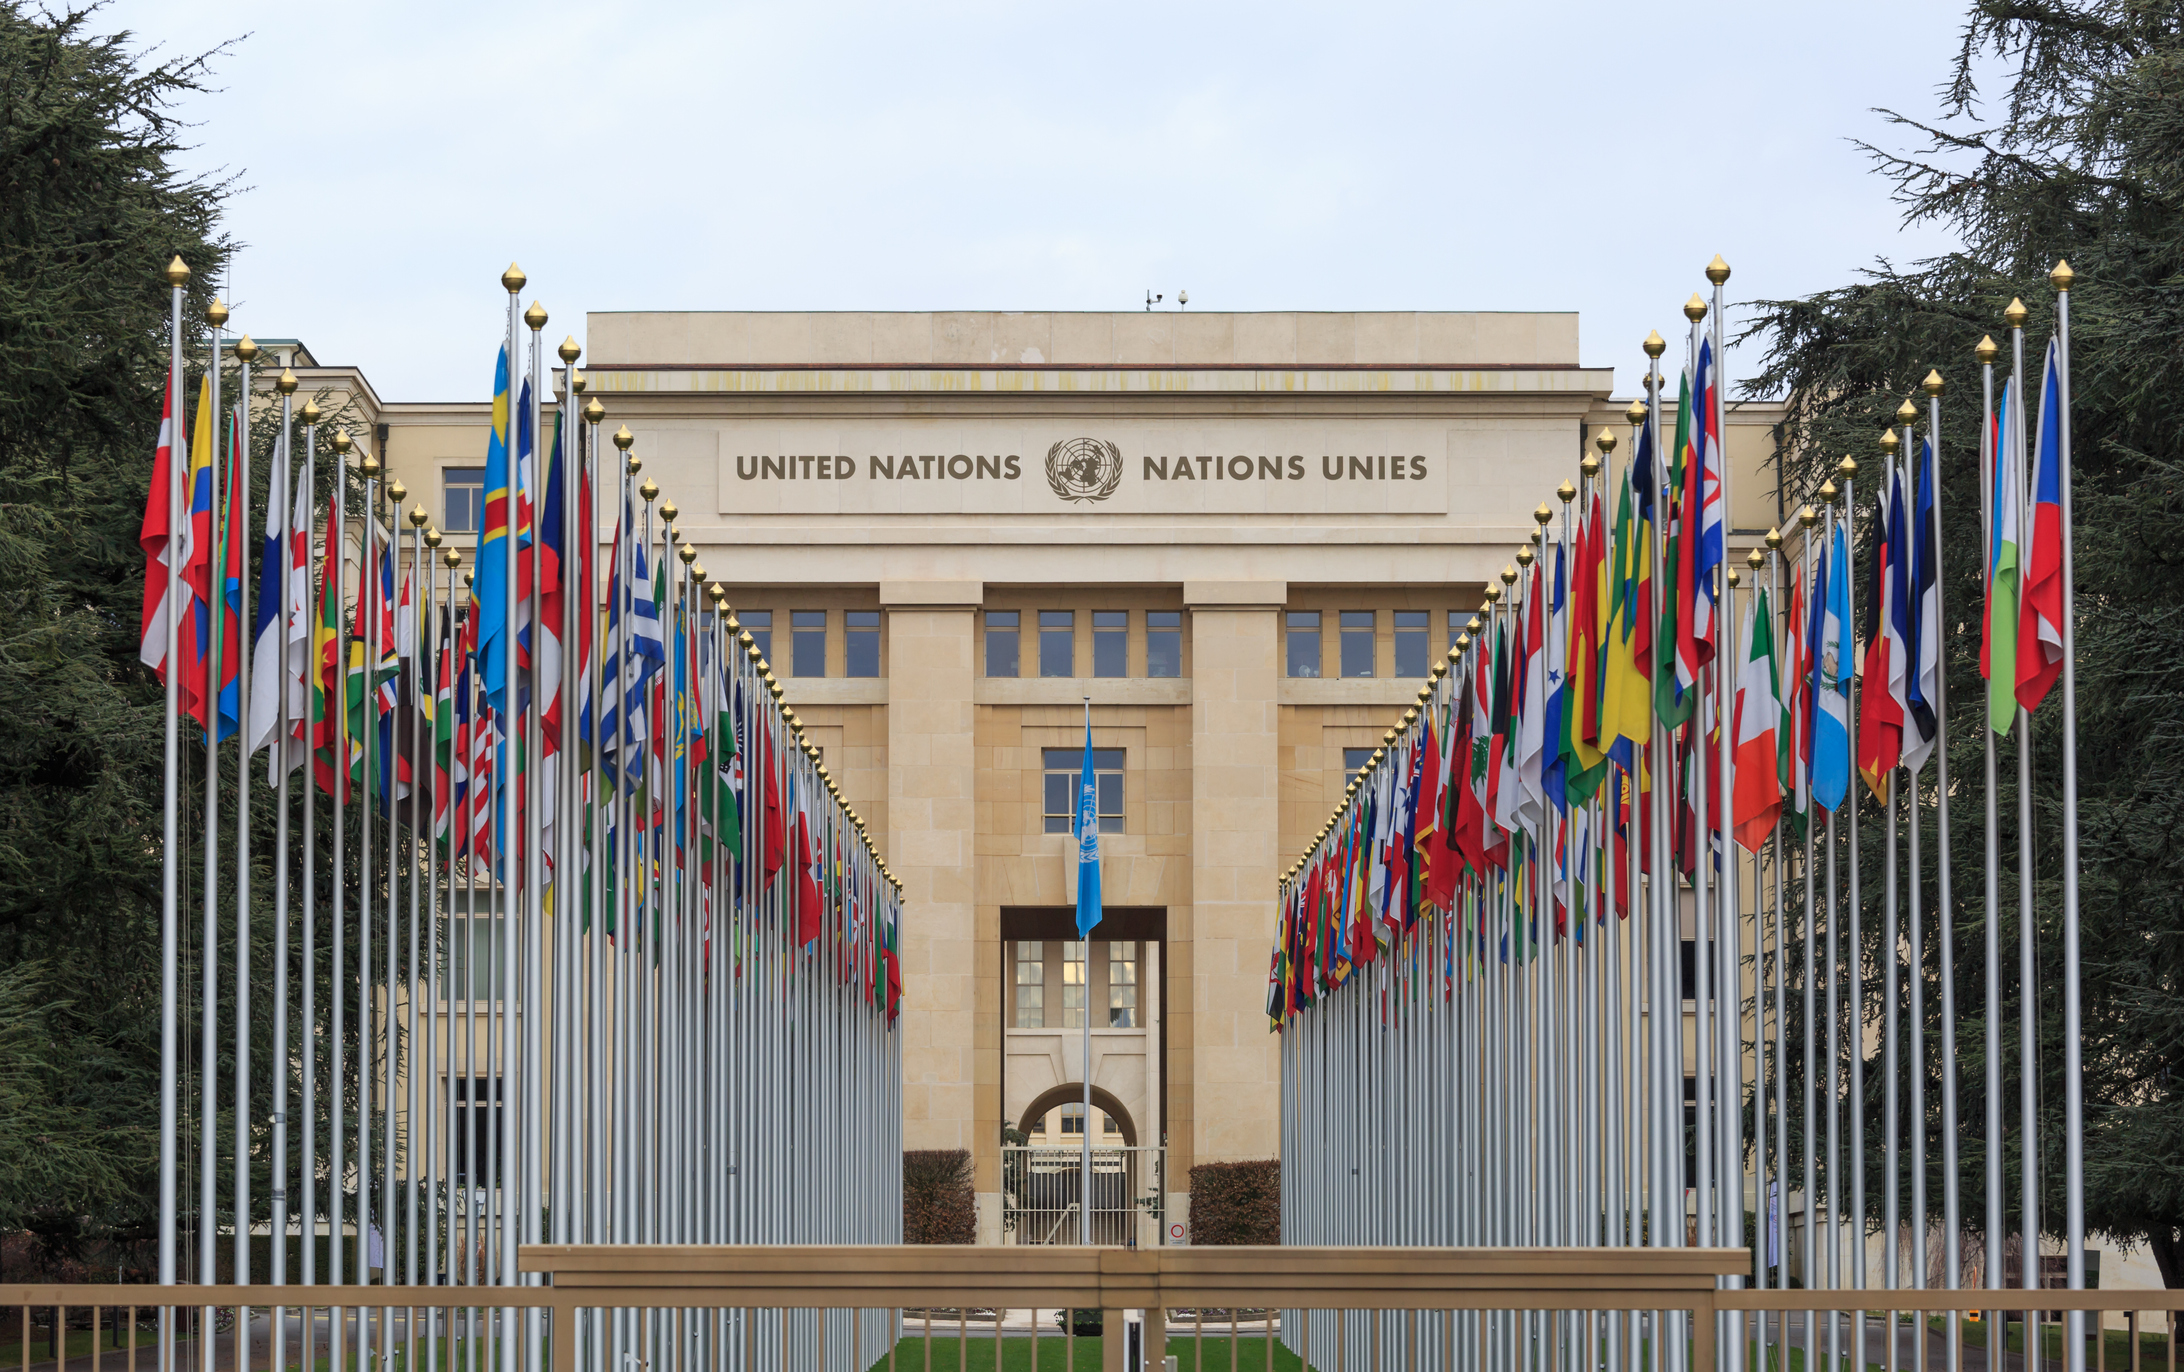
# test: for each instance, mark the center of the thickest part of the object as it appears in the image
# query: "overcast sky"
(666, 155)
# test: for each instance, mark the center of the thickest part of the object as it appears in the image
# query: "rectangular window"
(1030, 985)
(760, 623)
(1110, 643)
(1001, 642)
(1072, 1118)
(1057, 643)
(861, 643)
(1689, 978)
(473, 953)
(1303, 643)
(1353, 762)
(1061, 788)
(1122, 984)
(1163, 643)
(1073, 989)
(1413, 654)
(1357, 643)
(474, 1128)
(462, 498)
(808, 642)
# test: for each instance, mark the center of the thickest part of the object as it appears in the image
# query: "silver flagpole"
(1945, 908)
(1836, 1066)
(1991, 1145)
(1855, 1033)
(2073, 1047)
(1084, 1164)
(278, 499)
(533, 1077)
(309, 1055)
(170, 921)
(1807, 519)
(1891, 948)
(239, 529)
(367, 1042)
(337, 1181)
(507, 840)
(420, 587)
(2028, 1044)
(208, 1016)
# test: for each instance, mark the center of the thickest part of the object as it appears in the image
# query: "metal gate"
(1043, 1194)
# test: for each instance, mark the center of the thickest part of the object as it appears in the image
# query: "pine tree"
(2082, 157)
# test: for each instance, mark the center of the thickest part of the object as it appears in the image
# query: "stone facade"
(922, 476)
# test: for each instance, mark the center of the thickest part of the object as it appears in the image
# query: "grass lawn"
(976, 1354)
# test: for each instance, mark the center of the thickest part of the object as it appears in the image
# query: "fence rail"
(745, 1308)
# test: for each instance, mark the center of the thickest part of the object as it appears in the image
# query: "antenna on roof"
(1151, 300)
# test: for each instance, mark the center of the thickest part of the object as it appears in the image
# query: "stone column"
(1225, 1095)
(950, 1053)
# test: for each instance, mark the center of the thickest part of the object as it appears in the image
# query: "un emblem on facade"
(1081, 469)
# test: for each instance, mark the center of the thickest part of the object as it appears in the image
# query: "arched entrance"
(1043, 1183)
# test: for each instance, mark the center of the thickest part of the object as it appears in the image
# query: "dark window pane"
(1353, 762)
(1110, 643)
(1304, 652)
(1357, 643)
(861, 643)
(1413, 653)
(1057, 643)
(808, 630)
(1001, 643)
(1163, 643)
(465, 494)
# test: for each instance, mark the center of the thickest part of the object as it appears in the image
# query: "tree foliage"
(2079, 154)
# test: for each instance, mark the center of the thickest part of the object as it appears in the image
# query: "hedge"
(938, 1204)
(1237, 1202)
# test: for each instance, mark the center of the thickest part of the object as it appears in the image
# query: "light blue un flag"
(1088, 842)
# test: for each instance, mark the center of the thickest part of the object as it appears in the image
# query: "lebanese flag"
(1758, 798)
(2040, 613)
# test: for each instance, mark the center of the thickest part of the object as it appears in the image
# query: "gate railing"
(1043, 1191)
(839, 1309)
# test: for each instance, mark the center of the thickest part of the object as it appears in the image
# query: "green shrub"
(1237, 1202)
(938, 1204)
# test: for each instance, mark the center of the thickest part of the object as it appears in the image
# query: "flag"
(234, 519)
(2005, 534)
(1922, 645)
(196, 633)
(1831, 677)
(1087, 833)
(1626, 707)
(1673, 699)
(2040, 615)
(1532, 721)
(329, 730)
(809, 923)
(1708, 550)
(278, 653)
(490, 588)
(1880, 717)
(163, 525)
(552, 594)
(1797, 699)
(1759, 756)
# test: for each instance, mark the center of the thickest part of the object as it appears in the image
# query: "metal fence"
(1043, 1192)
(838, 1308)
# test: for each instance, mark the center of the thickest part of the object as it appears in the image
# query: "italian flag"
(1759, 716)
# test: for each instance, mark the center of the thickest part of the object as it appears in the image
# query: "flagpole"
(1991, 1146)
(2073, 1005)
(2028, 1062)
(1808, 518)
(1945, 911)
(239, 526)
(280, 485)
(507, 770)
(213, 629)
(1084, 933)
(1848, 469)
(170, 957)
(533, 1078)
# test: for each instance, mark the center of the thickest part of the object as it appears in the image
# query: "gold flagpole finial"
(2014, 314)
(1774, 540)
(1736, 578)
(1544, 514)
(1637, 413)
(418, 516)
(1655, 345)
(1589, 465)
(1933, 383)
(1755, 559)
(216, 314)
(369, 466)
(1564, 492)
(1717, 271)
(568, 350)
(535, 317)
(342, 442)
(512, 280)
(1889, 442)
(650, 491)
(432, 538)
(246, 348)
(1986, 352)
(1828, 492)
(594, 411)
(1847, 468)
(310, 414)
(178, 272)
(286, 382)
(1694, 309)
(1907, 413)
(1605, 440)
(578, 380)
(2062, 276)
(1808, 516)
(396, 491)
(453, 557)
(623, 438)
(1524, 556)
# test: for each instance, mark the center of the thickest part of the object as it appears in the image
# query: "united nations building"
(1240, 540)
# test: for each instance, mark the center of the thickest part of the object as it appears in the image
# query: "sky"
(390, 159)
